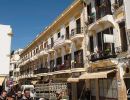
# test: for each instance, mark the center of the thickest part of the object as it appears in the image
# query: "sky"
(29, 17)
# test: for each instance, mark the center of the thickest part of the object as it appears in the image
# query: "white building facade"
(14, 65)
(5, 47)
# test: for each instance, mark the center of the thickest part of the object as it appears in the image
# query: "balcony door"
(67, 61)
(123, 36)
(105, 46)
(67, 32)
(78, 26)
(52, 42)
(78, 56)
(103, 7)
(58, 63)
(52, 65)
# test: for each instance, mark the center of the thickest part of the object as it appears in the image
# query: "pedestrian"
(3, 95)
(19, 95)
(59, 95)
(26, 95)
(88, 94)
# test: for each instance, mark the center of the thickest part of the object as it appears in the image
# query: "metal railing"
(101, 55)
(41, 70)
(78, 30)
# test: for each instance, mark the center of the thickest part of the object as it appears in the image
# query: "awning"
(72, 80)
(103, 74)
(1, 80)
(126, 75)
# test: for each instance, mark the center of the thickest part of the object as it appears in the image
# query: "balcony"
(102, 55)
(41, 70)
(43, 52)
(50, 48)
(17, 70)
(62, 41)
(77, 34)
(60, 69)
(102, 23)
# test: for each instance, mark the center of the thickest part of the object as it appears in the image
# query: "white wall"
(5, 46)
(127, 10)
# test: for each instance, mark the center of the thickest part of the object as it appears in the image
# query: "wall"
(127, 9)
(5, 46)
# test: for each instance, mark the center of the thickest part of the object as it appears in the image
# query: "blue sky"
(29, 17)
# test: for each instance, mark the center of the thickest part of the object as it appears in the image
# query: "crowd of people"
(16, 96)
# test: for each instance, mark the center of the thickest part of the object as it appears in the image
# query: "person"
(3, 95)
(59, 95)
(19, 95)
(88, 94)
(26, 95)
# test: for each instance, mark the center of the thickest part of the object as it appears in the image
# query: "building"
(5, 46)
(86, 47)
(14, 70)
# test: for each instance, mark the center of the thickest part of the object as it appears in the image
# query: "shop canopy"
(103, 74)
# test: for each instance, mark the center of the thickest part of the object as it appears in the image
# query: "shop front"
(102, 82)
(77, 87)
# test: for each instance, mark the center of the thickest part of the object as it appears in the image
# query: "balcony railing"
(102, 55)
(77, 65)
(41, 70)
(78, 30)
(59, 40)
(60, 67)
(49, 46)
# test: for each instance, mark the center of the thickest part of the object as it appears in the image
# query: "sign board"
(108, 38)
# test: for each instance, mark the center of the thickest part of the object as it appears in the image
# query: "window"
(103, 7)
(108, 88)
(51, 65)
(45, 44)
(59, 61)
(78, 26)
(67, 32)
(100, 40)
(93, 89)
(41, 46)
(123, 36)
(58, 35)
(52, 42)
(78, 56)
(91, 44)
(67, 60)
(37, 49)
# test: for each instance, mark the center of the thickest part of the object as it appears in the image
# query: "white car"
(128, 94)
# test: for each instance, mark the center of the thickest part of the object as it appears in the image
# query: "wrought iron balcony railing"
(41, 70)
(101, 55)
(78, 30)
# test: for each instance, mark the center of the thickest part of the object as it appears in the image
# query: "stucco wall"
(5, 46)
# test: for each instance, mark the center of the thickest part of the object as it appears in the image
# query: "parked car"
(128, 94)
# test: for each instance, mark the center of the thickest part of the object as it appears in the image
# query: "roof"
(51, 25)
